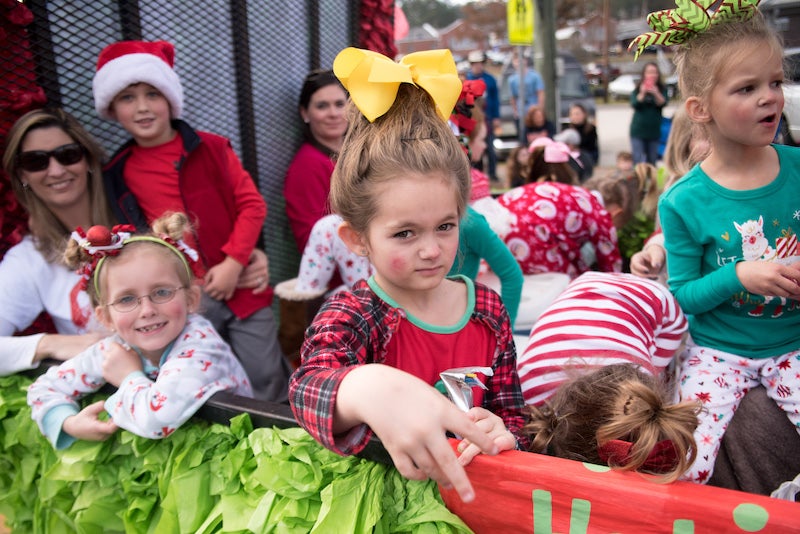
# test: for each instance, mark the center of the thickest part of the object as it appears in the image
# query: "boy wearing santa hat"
(168, 166)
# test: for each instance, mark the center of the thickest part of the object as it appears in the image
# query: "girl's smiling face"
(149, 327)
(413, 239)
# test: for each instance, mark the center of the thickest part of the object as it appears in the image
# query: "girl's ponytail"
(644, 433)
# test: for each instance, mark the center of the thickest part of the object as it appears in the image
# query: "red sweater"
(218, 195)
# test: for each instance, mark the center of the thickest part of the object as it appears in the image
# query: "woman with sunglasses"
(55, 170)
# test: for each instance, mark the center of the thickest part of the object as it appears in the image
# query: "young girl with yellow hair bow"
(401, 186)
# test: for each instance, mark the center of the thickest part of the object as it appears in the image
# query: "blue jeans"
(644, 150)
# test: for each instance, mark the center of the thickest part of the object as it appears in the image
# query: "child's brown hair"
(616, 402)
(409, 138)
(540, 170)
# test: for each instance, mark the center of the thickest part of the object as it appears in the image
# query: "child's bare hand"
(649, 262)
(494, 427)
(221, 279)
(119, 362)
(769, 278)
(87, 425)
(411, 419)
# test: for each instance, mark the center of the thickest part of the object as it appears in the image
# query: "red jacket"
(219, 196)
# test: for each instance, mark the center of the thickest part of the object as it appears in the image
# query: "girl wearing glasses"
(164, 360)
(54, 167)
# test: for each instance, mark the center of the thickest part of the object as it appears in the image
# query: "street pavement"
(613, 121)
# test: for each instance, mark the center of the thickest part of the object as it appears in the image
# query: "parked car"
(789, 132)
(621, 87)
(573, 87)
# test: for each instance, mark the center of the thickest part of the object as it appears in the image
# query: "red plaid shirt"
(353, 328)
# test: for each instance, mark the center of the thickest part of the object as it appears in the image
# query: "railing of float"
(243, 464)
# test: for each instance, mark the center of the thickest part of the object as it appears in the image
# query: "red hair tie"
(661, 459)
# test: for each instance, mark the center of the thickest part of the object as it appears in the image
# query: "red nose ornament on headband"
(99, 236)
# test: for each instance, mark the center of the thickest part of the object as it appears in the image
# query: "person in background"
(517, 166)
(491, 108)
(478, 233)
(580, 160)
(308, 178)
(648, 100)
(538, 125)
(686, 146)
(579, 120)
(164, 359)
(168, 166)
(533, 91)
(373, 354)
(624, 161)
(550, 162)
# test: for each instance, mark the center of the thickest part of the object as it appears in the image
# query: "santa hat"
(130, 62)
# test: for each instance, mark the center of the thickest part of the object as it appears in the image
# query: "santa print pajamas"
(151, 404)
(720, 380)
(324, 253)
(553, 222)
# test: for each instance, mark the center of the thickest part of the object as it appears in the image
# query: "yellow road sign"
(520, 22)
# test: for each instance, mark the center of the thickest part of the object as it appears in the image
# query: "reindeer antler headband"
(689, 18)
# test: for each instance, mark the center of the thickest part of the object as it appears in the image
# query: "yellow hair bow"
(373, 79)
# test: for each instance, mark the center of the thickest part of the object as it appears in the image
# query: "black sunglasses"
(39, 160)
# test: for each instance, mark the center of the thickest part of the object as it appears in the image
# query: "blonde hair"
(48, 231)
(702, 60)
(679, 154)
(409, 138)
(617, 401)
(630, 191)
(174, 225)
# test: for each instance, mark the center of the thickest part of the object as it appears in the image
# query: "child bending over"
(164, 360)
(617, 416)
(372, 355)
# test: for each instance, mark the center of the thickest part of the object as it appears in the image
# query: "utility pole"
(606, 44)
(546, 33)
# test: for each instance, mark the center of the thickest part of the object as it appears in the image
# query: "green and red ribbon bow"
(689, 18)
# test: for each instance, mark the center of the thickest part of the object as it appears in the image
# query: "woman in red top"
(308, 179)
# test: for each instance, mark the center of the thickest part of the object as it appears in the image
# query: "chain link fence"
(241, 65)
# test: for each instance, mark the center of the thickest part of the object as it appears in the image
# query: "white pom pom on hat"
(130, 62)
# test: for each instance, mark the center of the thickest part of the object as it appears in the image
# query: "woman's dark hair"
(316, 80)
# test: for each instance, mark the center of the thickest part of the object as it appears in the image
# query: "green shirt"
(707, 230)
(646, 121)
(476, 241)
